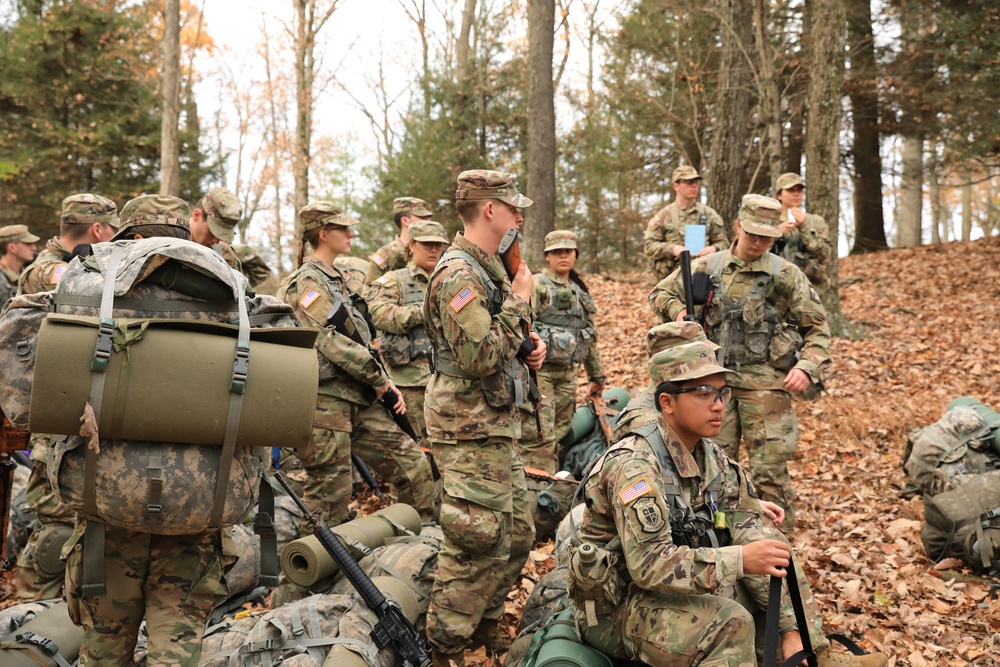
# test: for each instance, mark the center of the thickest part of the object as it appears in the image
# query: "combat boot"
(439, 659)
(827, 657)
(488, 634)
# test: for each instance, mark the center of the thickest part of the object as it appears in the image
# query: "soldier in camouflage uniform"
(663, 241)
(772, 329)
(394, 255)
(213, 224)
(396, 306)
(678, 526)
(86, 219)
(563, 314)
(17, 249)
(355, 272)
(805, 237)
(477, 319)
(349, 374)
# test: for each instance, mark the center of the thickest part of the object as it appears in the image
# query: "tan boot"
(439, 659)
(872, 660)
(488, 634)
(827, 657)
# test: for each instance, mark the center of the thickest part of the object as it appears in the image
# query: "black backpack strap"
(771, 627)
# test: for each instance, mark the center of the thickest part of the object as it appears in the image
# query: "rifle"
(510, 256)
(392, 627)
(12, 440)
(342, 323)
(602, 411)
(698, 290)
(366, 474)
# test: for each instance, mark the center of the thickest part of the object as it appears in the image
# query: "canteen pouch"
(560, 344)
(168, 380)
(596, 587)
(783, 351)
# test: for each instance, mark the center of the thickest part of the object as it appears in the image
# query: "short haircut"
(398, 218)
(74, 231)
(152, 231)
(468, 209)
(664, 388)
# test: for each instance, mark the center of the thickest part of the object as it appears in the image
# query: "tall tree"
(170, 96)
(911, 197)
(862, 88)
(826, 76)
(541, 183)
(767, 86)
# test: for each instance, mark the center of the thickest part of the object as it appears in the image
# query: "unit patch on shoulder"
(814, 295)
(378, 259)
(463, 298)
(649, 514)
(309, 297)
(57, 274)
(383, 280)
(638, 489)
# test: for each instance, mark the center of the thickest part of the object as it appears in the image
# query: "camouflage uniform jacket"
(628, 496)
(666, 229)
(458, 318)
(346, 368)
(567, 292)
(8, 284)
(390, 257)
(44, 273)
(788, 291)
(396, 306)
(809, 248)
(355, 272)
(252, 265)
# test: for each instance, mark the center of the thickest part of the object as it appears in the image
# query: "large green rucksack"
(965, 523)
(952, 450)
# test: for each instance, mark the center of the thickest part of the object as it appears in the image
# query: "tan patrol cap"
(153, 210)
(561, 238)
(685, 172)
(428, 231)
(787, 181)
(411, 206)
(318, 214)
(223, 212)
(761, 215)
(86, 209)
(686, 361)
(670, 334)
(17, 234)
(477, 184)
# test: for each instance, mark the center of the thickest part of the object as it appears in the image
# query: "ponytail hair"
(574, 275)
(312, 236)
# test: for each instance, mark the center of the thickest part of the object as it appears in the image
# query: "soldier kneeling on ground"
(679, 528)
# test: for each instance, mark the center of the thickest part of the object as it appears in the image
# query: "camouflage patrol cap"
(685, 172)
(411, 206)
(664, 336)
(761, 215)
(16, 234)
(317, 214)
(561, 238)
(222, 213)
(86, 209)
(153, 210)
(428, 231)
(787, 181)
(477, 184)
(687, 361)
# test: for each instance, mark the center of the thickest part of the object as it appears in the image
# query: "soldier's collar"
(684, 461)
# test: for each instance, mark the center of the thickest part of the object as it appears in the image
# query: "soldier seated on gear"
(677, 526)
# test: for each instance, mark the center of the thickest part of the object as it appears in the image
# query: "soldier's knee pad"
(472, 528)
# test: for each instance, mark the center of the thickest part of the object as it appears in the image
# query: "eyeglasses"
(707, 394)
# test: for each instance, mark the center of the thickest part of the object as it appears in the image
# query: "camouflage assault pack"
(951, 451)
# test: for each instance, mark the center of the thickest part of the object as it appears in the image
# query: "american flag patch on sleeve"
(462, 298)
(637, 490)
(308, 298)
(57, 274)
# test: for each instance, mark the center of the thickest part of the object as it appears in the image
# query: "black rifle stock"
(689, 315)
(366, 474)
(12, 440)
(393, 628)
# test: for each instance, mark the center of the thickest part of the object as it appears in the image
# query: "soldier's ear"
(666, 403)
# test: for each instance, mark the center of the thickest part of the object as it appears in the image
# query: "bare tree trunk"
(911, 196)
(276, 150)
(826, 76)
(869, 220)
(541, 217)
(966, 205)
(767, 86)
(936, 214)
(729, 135)
(170, 168)
(303, 103)
(593, 186)
(463, 49)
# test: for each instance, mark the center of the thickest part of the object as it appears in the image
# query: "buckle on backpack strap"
(241, 368)
(102, 353)
(41, 642)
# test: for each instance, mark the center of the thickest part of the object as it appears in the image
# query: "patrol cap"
(664, 336)
(477, 184)
(561, 238)
(86, 209)
(685, 172)
(223, 212)
(411, 206)
(428, 231)
(761, 215)
(153, 210)
(318, 214)
(16, 234)
(787, 181)
(689, 361)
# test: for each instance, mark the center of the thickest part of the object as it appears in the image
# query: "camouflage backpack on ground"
(964, 523)
(950, 452)
(550, 498)
(547, 599)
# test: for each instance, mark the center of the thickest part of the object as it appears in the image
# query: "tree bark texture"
(541, 183)
(304, 49)
(869, 220)
(966, 205)
(170, 84)
(727, 171)
(767, 86)
(911, 196)
(826, 76)
(908, 214)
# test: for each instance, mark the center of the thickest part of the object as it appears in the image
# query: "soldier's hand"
(773, 512)
(787, 227)
(400, 407)
(766, 557)
(680, 315)
(677, 250)
(707, 250)
(798, 215)
(522, 283)
(595, 389)
(537, 356)
(797, 380)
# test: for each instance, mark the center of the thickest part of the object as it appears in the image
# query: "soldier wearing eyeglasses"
(772, 332)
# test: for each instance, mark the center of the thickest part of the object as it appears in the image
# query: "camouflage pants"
(769, 429)
(558, 388)
(414, 397)
(488, 532)
(173, 581)
(34, 580)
